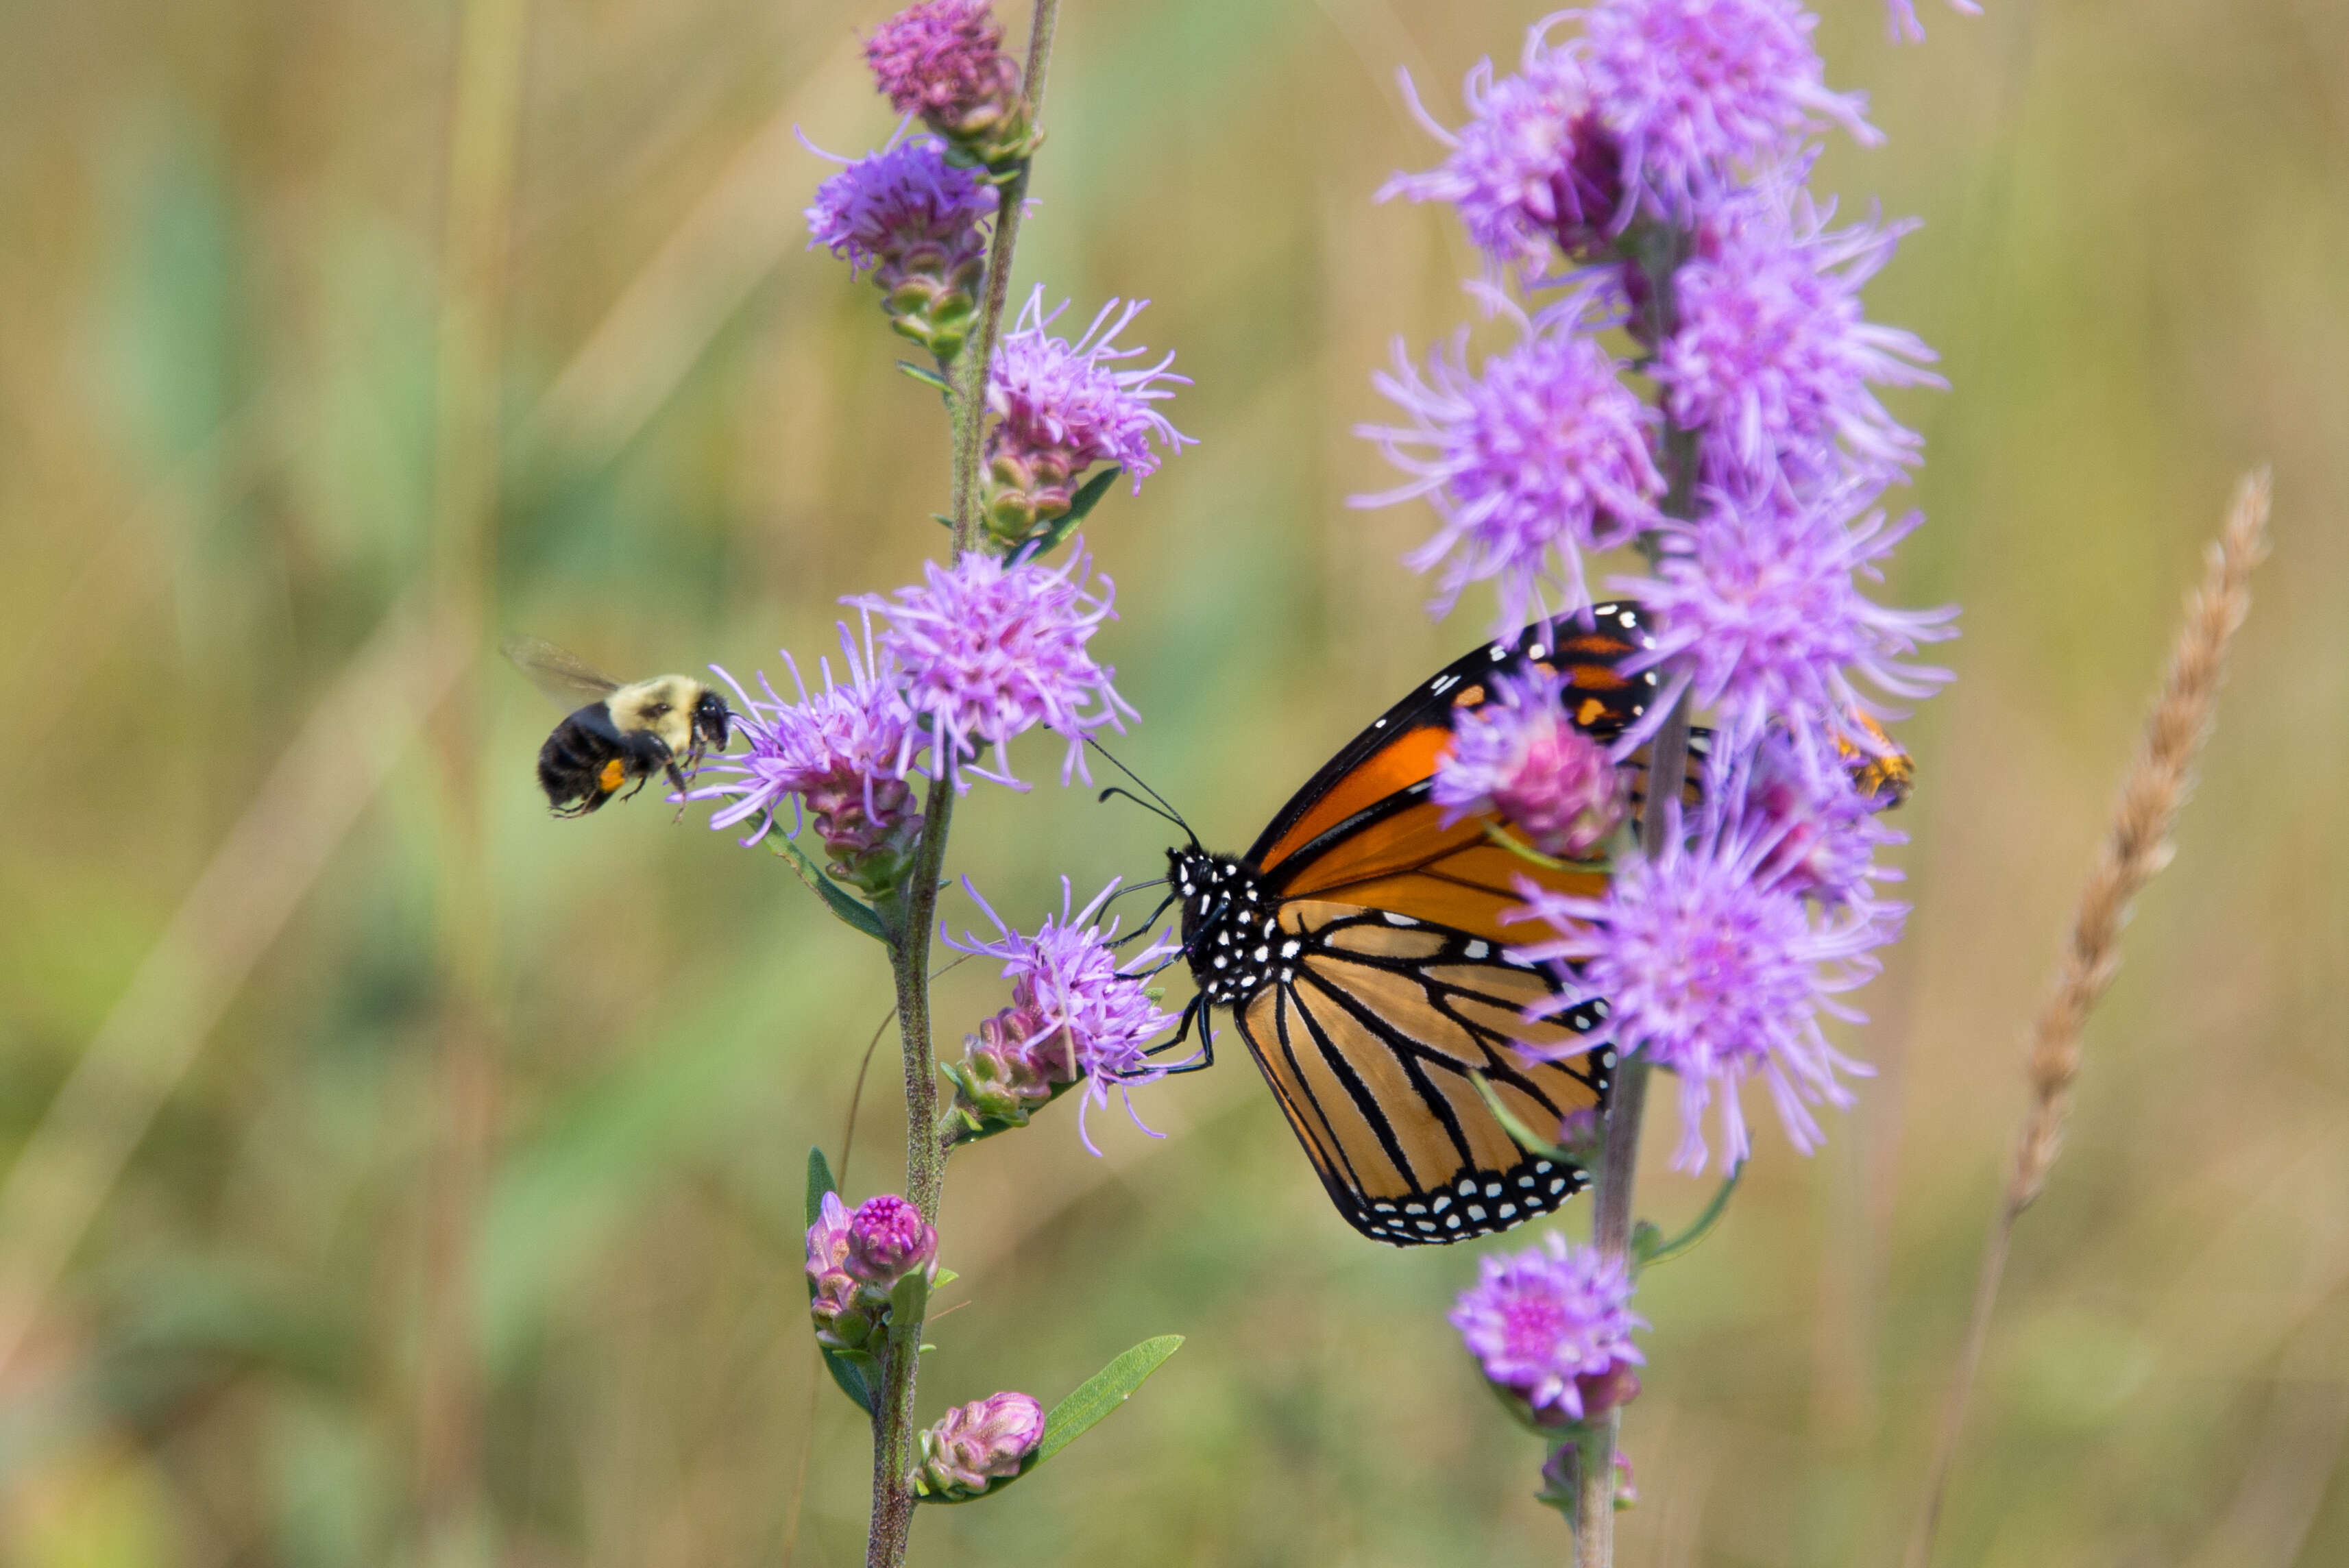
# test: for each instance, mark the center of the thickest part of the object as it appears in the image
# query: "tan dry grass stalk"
(2153, 789)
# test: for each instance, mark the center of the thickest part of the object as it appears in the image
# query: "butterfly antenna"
(1163, 806)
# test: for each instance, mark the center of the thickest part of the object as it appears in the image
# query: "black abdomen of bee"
(587, 759)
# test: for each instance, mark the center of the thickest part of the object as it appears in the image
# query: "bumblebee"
(625, 733)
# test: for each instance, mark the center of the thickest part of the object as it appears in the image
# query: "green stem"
(979, 353)
(1658, 252)
(911, 915)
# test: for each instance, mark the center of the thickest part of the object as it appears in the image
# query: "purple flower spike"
(1086, 1015)
(944, 60)
(918, 222)
(887, 1240)
(990, 651)
(974, 1445)
(1715, 967)
(1532, 169)
(1518, 755)
(1772, 359)
(844, 753)
(1540, 457)
(1063, 406)
(1552, 1325)
(1759, 612)
(1698, 90)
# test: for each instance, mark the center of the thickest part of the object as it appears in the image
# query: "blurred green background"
(396, 1174)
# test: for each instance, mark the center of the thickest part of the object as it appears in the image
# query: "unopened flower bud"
(944, 60)
(976, 1444)
(887, 1240)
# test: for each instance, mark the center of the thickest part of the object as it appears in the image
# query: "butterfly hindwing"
(1369, 1038)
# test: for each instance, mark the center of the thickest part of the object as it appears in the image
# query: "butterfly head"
(1231, 936)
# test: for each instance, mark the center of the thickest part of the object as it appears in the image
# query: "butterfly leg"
(1197, 1009)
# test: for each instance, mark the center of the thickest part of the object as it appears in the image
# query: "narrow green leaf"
(819, 1184)
(843, 904)
(1100, 1394)
(1658, 1250)
(851, 1383)
(1527, 1137)
(926, 376)
(1081, 506)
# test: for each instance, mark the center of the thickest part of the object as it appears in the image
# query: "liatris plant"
(1639, 183)
(852, 780)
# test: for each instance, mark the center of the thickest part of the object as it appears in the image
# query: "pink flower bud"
(976, 1444)
(887, 1240)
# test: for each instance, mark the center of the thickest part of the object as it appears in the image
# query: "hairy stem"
(911, 915)
(1658, 252)
(979, 353)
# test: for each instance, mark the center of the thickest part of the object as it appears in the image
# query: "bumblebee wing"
(564, 677)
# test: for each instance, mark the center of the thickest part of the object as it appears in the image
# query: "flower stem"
(913, 912)
(979, 353)
(1659, 255)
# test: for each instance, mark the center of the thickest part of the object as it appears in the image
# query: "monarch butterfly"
(1360, 950)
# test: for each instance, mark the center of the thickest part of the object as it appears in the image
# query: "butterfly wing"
(1368, 1039)
(1395, 984)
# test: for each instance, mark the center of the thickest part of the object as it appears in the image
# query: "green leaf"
(851, 1379)
(843, 903)
(909, 1301)
(926, 376)
(1648, 1245)
(1527, 1137)
(819, 1184)
(1100, 1394)
(1081, 505)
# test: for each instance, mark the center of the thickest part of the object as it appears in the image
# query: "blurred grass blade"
(237, 906)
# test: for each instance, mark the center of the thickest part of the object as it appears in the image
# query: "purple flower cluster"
(1541, 455)
(1774, 363)
(989, 651)
(944, 60)
(1079, 1014)
(1654, 163)
(1060, 407)
(979, 653)
(1519, 756)
(918, 222)
(1552, 1326)
(1716, 959)
(844, 755)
